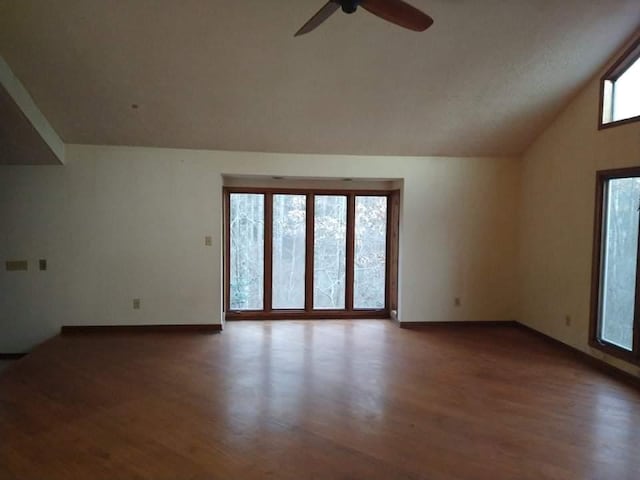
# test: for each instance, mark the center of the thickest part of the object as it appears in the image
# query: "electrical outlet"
(43, 264)
(457, 302)
(208, 241)
(136, 304)
(567, 320)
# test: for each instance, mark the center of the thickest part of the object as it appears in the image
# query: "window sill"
(614, 351)
(313, 315)
(617, 123)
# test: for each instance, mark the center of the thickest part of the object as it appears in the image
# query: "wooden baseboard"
(12, 356)
(596, 363)
(474, 323)
(196, 328)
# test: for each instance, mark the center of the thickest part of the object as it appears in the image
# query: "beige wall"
(116, 223)
(557, 199)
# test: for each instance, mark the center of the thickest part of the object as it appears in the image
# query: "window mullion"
(308, 272)
(227, 250)
(387, 266)
(350, 273)
(268, 251)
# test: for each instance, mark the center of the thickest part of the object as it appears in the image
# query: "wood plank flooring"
(315, 400)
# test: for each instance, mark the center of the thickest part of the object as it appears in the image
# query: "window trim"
(633, 356)
(308, 313)
(630, 56)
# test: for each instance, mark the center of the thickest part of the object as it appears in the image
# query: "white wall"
(116, 223)
(556, 234)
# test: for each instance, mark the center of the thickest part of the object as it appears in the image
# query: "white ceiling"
(484, 80)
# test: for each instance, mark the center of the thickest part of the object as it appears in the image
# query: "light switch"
(43, 264)
(208, 241)
(16, 265)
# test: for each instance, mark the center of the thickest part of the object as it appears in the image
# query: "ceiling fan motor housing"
(349, 6)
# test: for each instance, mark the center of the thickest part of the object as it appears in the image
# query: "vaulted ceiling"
(484, 80)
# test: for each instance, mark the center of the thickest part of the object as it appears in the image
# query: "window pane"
(370, 252)
(619, 266)
(329, 255)
(247, 251)
(289, 232)
(626, 93)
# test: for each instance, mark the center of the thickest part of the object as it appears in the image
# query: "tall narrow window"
(292, 253)
(330, 243)
(289, 224)
(620, 257)
(247, 251)
(370, 252)
(614, 319)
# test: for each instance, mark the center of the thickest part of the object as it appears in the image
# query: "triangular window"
(621, 90)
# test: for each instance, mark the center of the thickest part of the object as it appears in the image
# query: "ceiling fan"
(394, 11)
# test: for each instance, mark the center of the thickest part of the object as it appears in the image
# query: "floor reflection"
(290, 371)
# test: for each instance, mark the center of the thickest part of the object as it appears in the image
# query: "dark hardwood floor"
(315, 400)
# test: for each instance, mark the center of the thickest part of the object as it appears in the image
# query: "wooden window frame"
(595, 340)
(308, 313)
(607, 83)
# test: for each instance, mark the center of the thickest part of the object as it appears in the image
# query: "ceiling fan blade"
(325, 12)
(400, 13)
